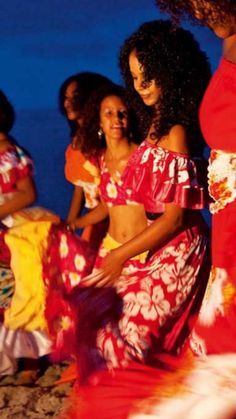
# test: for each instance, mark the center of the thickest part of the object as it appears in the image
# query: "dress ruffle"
(156, 176)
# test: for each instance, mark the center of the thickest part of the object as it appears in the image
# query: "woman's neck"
(4, 141)
(116, 149)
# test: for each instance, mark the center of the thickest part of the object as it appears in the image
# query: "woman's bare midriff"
(126, 221)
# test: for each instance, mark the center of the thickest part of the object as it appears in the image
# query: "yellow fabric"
(109, 244)
(27, 242)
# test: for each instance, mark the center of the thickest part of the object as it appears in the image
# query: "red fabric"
(112, 395)
(5, 255)
(15, 165)
(218, 122)
(218, 109)
(224, 238)
(156, 176)
(68, 258)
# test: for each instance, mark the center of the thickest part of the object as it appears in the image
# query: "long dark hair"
(219, 11)
(90, 143)
(87, 82)
(171, 57)
(7, 114)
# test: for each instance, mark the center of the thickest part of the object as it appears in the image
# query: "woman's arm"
(76, 204)
(92, 217)
(229, 50)
(154, 236)
(23, 196)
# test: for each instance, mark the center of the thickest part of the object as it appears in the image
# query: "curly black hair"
(171, 57)
(7, 114)
(217, 11)
(90, 143)
(87, 82)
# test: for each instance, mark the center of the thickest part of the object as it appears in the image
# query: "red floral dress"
(157, 292)
(218, 312)
(149, 309)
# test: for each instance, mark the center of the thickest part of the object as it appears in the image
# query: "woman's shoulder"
(176, 140)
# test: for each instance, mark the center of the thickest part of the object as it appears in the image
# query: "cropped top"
(112, 190)
(14, 165)
(81, 172)
(155, 176)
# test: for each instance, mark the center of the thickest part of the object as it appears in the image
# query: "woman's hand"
(108, 273)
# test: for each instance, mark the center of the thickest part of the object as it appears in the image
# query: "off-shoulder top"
(155, 176)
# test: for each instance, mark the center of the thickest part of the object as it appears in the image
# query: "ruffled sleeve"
(156, 176)
(85, 173)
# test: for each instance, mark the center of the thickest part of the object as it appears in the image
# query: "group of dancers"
(136, 304)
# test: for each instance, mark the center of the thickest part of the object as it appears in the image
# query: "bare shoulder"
(177, 139)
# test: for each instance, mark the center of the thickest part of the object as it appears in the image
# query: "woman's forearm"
(92, 217)
(76, 203)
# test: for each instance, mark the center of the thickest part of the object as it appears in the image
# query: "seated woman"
(23, 332)
(102, 143)
(157, 288)
(159, 264)
(73, 95)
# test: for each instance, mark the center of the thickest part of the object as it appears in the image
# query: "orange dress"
(84, 173)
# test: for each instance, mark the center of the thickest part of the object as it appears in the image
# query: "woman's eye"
(123, 114)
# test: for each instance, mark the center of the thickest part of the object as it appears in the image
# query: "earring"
(100, 133)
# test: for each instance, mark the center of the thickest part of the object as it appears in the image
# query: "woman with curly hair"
(205, 386)
(162, 179)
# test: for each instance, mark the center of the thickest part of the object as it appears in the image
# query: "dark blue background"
(44, 41)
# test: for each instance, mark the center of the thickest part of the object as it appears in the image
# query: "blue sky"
(44, 41)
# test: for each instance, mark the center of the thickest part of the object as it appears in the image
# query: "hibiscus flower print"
(135, 335)
(111, 190)
(162, 305)
(79, 262)
(63, 249)
(74, 279)
(65, 323)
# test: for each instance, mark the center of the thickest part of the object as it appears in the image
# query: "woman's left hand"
(106, 276)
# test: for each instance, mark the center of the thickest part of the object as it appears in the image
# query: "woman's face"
(222, 30)
(147, 90)
(113, 117)
(71, 102)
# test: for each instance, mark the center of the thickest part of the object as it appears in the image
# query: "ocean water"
(45, 134)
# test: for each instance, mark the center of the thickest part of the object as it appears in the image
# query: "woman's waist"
(110, 243)
(125, 231)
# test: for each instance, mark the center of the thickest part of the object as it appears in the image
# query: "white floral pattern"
(80, 262)
(222, 179)
(64, 249)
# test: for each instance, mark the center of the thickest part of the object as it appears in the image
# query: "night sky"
(44, 41)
